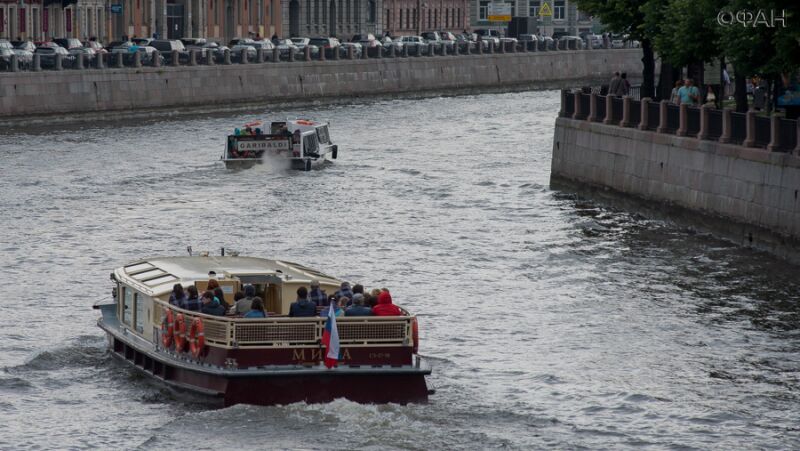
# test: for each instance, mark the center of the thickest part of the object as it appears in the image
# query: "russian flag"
(330, 338)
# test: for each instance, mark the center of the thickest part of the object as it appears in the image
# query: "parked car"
(193, 42)
(25, 45)
(329, 44)
(617, 43)
(388, 43)
(286, 47)
(24, 51)
(89, 55)
(5, 56)
(357, 49)
(96, 46)
(142, 41)
(237, 41)
(236, 52)
(302, 43)
(167, 46)
(68, 43)
(575, 41)
(5, 44)
(415, 44)
(47, 56)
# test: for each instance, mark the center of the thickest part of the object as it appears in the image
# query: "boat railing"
(283, 332)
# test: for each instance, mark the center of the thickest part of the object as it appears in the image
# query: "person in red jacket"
(385, 307)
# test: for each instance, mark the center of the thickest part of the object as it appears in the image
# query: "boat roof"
(157, 275)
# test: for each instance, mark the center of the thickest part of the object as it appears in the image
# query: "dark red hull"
(312, 384)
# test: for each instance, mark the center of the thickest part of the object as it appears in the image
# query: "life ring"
(414, 335)
(167, 329)
(180, 332)
(197, 339)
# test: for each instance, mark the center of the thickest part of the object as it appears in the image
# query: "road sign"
(116, 9)
(545, 10)
(499, 12)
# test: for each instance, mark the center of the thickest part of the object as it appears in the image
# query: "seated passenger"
(192, 301)
(385, 306)
(220, 296)
(373, 297)
(317, 295)
(178, 296)
(338, 311)
(358, 308)
(344, 290)
(302, 307)
(243, 305)
(256, 309)
(211, 305)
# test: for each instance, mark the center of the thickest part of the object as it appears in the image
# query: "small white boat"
(304, 143)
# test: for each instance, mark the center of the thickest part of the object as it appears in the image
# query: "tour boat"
(264, 361)
(303, 143)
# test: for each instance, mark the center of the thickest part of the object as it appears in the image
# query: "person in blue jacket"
(303, 307)
(211, 305)
(256, 309)
(358, 308)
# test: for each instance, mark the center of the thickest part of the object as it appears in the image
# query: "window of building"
(430, 22)
(447, 18)
(559, 10)
(2, 20)
(459, 18)
(372, 11)
(416, 19)
(435, 18)
(533, 8)
(483, 10)
(401, 18)
(308, 12)
(341, 11)
(347, 17)
(357, 11)
(388, 20)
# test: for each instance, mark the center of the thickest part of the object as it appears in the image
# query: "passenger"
(211, 305)
(385, 306)
(358, 308)
(256, 309)
(374, 297)
(243, 305)
(192, 300)
(302, 307)
(220, 296)
(344, 290)
(358, 288)
(178, 296)
(317, 295)
(338, 311)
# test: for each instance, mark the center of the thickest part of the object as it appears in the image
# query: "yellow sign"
(545, 10)
(499, 12)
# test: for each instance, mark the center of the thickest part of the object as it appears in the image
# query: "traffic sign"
(116, 8)
(545, 10)
(499, 12)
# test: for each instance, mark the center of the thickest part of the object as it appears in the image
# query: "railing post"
(137, 59)
(307, 53)
(379, 51)
(37, 62)
(609, 110)
(79, 61)
(243, 56)
(120, 61)
(592, 107)
(750, 127)
(491, 47)
(796, 150)
(226, 57)
(683, 120)
(662, 117)
(479, 44)
(14, 62)
(502, 47)
(351, 52)
(57, 62)
(563, 102)
(704, 117)
(209, 60)
(364, 52)
(404, 53)
(645, 110)
(774, 133)
(155, 59)
(276, 55)
(577, 100)
(322, 53)
(193, 57)
(725, 137)
(626, 111)
(259, 55)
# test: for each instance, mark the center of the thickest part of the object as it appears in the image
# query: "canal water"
(551, 320)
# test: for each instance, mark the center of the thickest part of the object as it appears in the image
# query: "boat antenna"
(189, 250)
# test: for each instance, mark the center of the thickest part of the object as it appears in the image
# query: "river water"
(551, 321)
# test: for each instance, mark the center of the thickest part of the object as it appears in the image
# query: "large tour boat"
(273, 360)
(302, 143)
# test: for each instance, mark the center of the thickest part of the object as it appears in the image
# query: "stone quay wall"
(742, 192)
(28, 94)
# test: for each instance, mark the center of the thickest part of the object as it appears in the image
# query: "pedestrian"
(689, 94)
(615, 85)
(673, 96)
(626, 85)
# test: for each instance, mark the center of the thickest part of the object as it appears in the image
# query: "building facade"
(566, 19)
(109, 20)
(412, 17)
(339, 18)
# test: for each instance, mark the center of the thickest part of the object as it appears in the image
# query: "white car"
(414, 44)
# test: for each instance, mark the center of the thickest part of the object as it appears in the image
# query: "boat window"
(322, 134)
(133, 269)
(310, 144)
(140, 301)
(149, 274)
(160, 280)
(127, 305)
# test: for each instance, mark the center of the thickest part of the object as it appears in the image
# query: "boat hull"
(315, 384)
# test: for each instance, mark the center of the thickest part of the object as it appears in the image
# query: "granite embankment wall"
(748, 194)
(129, 89)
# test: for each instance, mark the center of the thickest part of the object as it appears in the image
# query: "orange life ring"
(180, 332)
(167, 329)
(304, 122)
(197, 339)
(414, 335)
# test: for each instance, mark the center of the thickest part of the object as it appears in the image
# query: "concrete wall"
(92, 90)
(755, 188)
